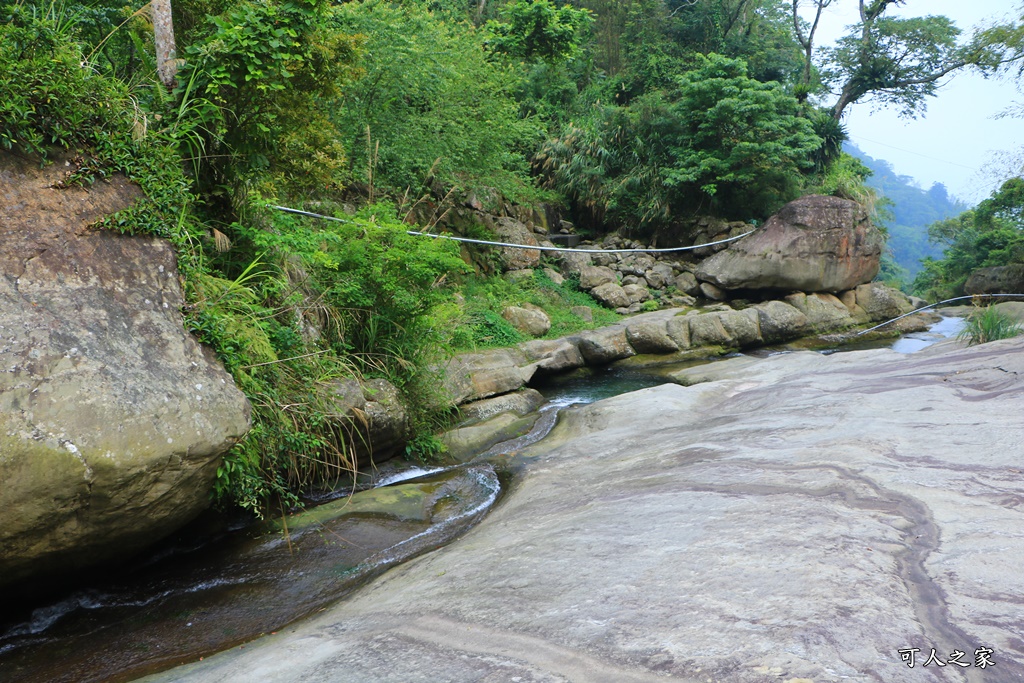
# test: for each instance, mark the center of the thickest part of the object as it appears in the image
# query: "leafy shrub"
(991, 234)
(430, 105)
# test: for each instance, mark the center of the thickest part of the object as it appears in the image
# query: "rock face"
(996, 280)
(814, 244)
(472, 376)
(371, 419)
(112, 419)
(512, 231)
(784, 523)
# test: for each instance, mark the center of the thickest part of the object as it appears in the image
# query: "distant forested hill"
(912, 209)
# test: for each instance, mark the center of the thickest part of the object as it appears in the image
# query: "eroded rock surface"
(802, 518)
(113, 419)
(814, 244)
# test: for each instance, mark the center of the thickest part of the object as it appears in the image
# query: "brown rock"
(814, 244)
(611, 295)
(996, 280)
(595, 276)
(529, 321)
(515, 232)
(650, 337)
(600, 347)
(553, 355)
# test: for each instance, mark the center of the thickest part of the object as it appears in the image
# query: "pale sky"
(958, 141)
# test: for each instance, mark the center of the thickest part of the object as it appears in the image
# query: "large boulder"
(472, 376)
(824, 312)
(611, 295)
(528, 320)
(650, 336)
(881, 302)
(595, 276)
(518, 403)
(996, 280)
(571, 263)
(113, 420)
(553, 355)
(814, 244)
(778, 321)
(604, 345)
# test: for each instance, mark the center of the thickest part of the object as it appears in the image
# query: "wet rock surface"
(803, 517)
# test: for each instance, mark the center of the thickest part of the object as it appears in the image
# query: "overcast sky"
(958, 141)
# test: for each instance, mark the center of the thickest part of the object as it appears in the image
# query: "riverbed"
(220, 584)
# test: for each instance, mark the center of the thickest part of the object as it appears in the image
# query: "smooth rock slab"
(805, 519)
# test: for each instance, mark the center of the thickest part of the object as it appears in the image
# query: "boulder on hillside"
(611, 295)
(595, 276)
(532, 321)
(685, 282)
(996, 280)
(113, 420)
(570, 263)
(814, 244)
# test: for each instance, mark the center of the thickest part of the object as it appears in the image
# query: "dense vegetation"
(990, 234)
(633, 115)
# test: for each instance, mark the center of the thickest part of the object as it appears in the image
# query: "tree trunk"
(163, 36)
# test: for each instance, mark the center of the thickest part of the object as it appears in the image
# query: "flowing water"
(209, 589)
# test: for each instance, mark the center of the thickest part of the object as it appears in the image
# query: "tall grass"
(988, 324)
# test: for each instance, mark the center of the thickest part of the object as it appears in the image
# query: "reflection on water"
(908, 343)
(945, 328)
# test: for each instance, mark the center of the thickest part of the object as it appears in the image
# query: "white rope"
(522, 246)
(938, 303)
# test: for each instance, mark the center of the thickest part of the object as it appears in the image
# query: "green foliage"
(992, 234)
(757, 31)
(988, 324)
(49, 100)
(538, 30)
(894, 61)
(481, 326)
(431, 105)
(847, 177)
(743, 142)
(721, 141)
(260, 75)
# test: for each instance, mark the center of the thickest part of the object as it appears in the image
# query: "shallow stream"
(216, 586)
